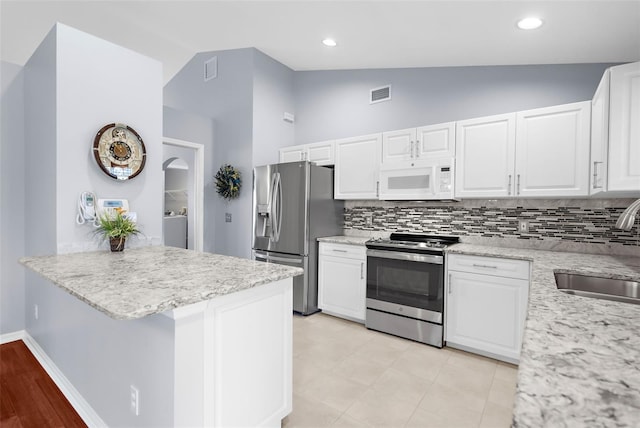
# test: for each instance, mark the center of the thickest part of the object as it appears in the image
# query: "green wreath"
(228, 182)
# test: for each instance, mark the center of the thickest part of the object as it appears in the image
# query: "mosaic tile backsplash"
(576, 223)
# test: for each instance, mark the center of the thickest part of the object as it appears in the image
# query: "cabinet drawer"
(343, 250)
(489, 266)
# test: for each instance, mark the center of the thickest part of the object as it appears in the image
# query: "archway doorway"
(183, 166)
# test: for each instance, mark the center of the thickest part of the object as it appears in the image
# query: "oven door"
(406, 284)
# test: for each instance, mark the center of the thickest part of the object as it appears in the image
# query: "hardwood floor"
(28, 396)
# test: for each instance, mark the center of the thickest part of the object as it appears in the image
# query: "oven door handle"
(411, 257)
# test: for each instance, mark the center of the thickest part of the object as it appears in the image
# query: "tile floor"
(347, 376)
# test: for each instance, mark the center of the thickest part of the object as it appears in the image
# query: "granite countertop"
(580, 360)
(144, 281)
(341, 239)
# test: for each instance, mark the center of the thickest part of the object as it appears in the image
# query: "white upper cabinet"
(398, 146)
(436, 141)
(485, 155)
(534, 153)
(292, 154)
(624, 128)
(600, 137)
(410, 146)
(357, 167)
(552, 151)
(321, 153)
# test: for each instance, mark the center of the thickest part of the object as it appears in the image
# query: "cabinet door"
(624, 128)
(485, 156)
(357, 166)
(292, 154)
(436, 141)
(486, 313)
(599, 137)
(321, 153)
(399, 146)
(552, 150)
(342, 286)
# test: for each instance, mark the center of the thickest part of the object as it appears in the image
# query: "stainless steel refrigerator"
(293, 205)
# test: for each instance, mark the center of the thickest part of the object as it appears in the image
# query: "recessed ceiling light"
(329, 42)
(530, 23)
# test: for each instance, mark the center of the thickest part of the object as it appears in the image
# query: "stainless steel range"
(405, 286)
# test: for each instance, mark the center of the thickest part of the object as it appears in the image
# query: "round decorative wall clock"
(119, 151)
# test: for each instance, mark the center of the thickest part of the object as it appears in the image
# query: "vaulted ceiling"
(370, 34)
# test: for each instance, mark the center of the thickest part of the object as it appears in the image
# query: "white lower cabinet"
(486, 305)
(342, 271)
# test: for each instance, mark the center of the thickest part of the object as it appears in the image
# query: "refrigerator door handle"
(284, 260)
(272, 208)
(279, 205)
(276, 203)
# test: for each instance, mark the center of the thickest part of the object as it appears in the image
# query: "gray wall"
(195, 128)
(335, 104)
(228, 100)
(247, 101)
(67, 100)
(12, 197)
(272, 96)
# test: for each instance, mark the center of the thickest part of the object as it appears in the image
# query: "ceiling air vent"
(211, 69)
(380, 94)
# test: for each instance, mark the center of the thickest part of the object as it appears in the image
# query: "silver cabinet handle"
(339, 251)
(362, 270)
(377, 188)
(485, 266)
(417, 149)
(449, 283)
(509, 186)
(518, 185)
(412, 149)
(595, 175)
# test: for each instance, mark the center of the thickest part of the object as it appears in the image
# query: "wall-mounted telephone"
(90, 211)
(86, 208)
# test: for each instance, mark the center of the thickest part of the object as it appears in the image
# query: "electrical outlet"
(36, 313)
(227, 217)
(368, 220)
(523, 226)
(135, 400)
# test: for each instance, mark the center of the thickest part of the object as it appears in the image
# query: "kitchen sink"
(619, 290)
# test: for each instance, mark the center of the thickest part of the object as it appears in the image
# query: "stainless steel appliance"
(405, 286)
(293, 205)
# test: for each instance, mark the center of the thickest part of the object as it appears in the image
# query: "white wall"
(74, 84)
(12, 197)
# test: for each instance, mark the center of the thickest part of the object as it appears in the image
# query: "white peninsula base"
(233, 363)
(177, 338)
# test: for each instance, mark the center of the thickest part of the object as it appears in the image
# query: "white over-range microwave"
(431, 179)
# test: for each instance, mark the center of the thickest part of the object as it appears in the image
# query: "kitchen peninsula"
(222, 326)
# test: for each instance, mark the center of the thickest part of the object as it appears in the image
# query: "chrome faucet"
(628, 217)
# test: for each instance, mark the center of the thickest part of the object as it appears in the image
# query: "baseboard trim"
(12, 337)
(80, 405)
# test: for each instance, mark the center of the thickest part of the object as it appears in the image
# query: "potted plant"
(116, 228)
